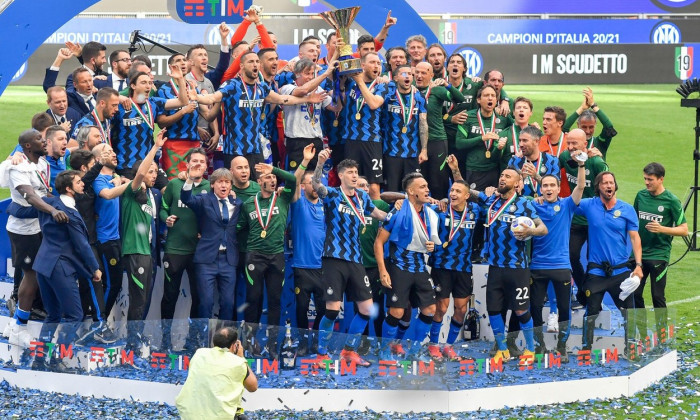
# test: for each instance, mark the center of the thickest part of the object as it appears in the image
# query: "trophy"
(341, 20)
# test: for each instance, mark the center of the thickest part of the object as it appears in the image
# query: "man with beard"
(411, 233)
(28, 182)
(120, 60)
(613, 233)
(586, 117)
(436, 93)
(436, 57)
(405, 125)
(533, 164)
(243, 104)
(264, 216)
(57, 153)
(509, 144)
(507, 255)
(362, 126)
(106, 107)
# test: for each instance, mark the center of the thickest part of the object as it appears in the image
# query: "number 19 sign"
(684, 62)
(208, 11)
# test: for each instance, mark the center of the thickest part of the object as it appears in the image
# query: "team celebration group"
(384, 185)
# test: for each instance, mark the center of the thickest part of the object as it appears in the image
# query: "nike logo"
(377, 176)
(522, 303)
(567, 283)
(440, 154)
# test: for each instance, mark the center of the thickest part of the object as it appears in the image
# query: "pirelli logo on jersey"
(477, 130)
(651, 217)
(130, 122)
(467, 224)
(343, 208)
(254, 214)
(251, 103)
(396, 109)
(506, 218)
(572, 180)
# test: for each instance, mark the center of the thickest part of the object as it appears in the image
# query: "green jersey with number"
(665, 209)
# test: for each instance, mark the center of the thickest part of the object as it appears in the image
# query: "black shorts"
(368, 156)
(508, 288)
(309, 280)
(347, 277)
(406, 287)
(479, 180)
(396, 169)
(459, 283)
(295, 152)
(24, 249)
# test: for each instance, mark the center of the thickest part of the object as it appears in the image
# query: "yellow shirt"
(214, 385)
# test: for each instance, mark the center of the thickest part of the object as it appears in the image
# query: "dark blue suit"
(214, 268)
(75, 101)
(71, 115)
(64, 255)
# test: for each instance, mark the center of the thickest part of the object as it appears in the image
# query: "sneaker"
(434, 352)
(553, 322)
(8, 328)
(364, 347)
(449, 352)
(352, 356)
(564, 357)
(576, 305)
(105, 335)
(19, 336)
(502, 355)
(397, 349)
(527, 358)
(321, 361)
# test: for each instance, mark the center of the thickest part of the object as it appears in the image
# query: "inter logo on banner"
(684, 62)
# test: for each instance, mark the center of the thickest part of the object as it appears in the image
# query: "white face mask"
(140, 98)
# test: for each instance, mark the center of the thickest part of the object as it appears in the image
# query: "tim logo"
(475, 64)
(208, 11)
(665, 33)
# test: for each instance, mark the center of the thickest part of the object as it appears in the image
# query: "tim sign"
(208, 11)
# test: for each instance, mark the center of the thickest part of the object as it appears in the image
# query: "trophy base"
(349, 65)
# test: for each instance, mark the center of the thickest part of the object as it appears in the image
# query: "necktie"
(121, 85)
(62, 120)
(89, 104)
(224, 211)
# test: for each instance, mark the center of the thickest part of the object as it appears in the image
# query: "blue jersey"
(404, 259)
(457, 255)
(343, 226)
(368, 127)
(89, 119)
(551, 251)
(394, 115)
(132, 136)
(608, 240)
(107, 211)
(501, 248)
(186, 127)
(270, 112)
(308, 231)
(56, 167)
(548, 166)
(242, 108)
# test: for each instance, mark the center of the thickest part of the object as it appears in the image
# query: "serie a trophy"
(341, 20)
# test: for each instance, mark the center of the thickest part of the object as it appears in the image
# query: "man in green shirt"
(661, 218)
(576, 140)
(264, 216)
(138, 213)
(181, 242)
(436, 93)
(587, 115)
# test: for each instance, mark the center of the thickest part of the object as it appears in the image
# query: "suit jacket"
(213, 230)
(98, 83)
(68, 241)
(75, 101)
(71, 115)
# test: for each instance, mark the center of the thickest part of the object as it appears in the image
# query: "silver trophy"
(341, 20)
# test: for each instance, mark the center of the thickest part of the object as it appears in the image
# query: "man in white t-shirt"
(27, 176)
(302, 123)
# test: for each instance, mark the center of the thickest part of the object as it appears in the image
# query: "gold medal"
(488, 154)
(445, 245)
(263, 234)
(262, 116)
(358, 116)
(404, 130)
(364, 229)
(445, 117)
(335, 123)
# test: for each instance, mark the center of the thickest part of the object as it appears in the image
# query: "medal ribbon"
(412, 105)
(103, 131)
(488, 144)
(149, 120)
(360, 101)
(500, 210)
(561, 140)
(247, 95)
(174, 86)
(516, 139)
(359, 215)
(453, 230)
(269, 210)
(45, 179)
(533, 182)
(424, 222)
(452, 104)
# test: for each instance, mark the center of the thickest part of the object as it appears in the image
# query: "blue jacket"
(206, 207)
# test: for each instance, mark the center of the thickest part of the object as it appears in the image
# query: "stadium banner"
(557, 7)
(565, 31)
(534, 64)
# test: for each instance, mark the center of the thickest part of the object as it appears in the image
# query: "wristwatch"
(639, 264)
